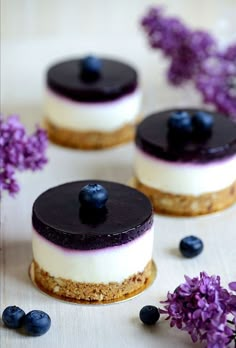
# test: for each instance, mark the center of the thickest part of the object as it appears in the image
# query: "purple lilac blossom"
(191, 53)
(217, 81)
(18, 151)
(201, 306)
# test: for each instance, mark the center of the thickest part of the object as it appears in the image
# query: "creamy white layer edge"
(182, 178)
(113, 264)
(82, 116)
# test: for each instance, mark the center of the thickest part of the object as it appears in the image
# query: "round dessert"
(92, 241)
(185, 161)
(91, 102)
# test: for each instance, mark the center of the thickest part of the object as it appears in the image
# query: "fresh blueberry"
(202, 122)
(36, 323)
(12, 317)
(191, 246)
(149, 315)
(93, 196)
(91, 67)
(180, 123)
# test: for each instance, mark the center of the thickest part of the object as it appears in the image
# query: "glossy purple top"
(116, 80)
(153, 138)
(58, 216)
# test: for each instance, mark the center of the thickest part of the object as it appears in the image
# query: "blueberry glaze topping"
(92, 79)
(154, 137)
(190, 246)
(59, 216)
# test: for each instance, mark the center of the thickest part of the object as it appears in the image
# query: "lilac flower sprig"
(18, 151)
(216, 81)
(194, 55)
(203, 308)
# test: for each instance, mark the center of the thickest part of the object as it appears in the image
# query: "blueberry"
(12, 317)
(93, 196)
(202, 122)
(91, 68)
(190, 246)
(180, 123)
(36, 323)
(149, 315)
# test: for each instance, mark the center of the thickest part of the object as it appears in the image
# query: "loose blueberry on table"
(12, 317)
(191, 246)
(93, 196)
(180, 123)
(149, 315)
(36, 323)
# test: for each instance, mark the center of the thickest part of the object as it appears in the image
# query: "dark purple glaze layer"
(116, 80)
(153, 137)
(58, 217)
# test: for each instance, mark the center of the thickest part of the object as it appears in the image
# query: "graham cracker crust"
(91, 140)
(186, 205)
(66, 289)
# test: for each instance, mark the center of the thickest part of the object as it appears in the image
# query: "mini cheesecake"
(92, 254)
(186, 172)
(91, 103)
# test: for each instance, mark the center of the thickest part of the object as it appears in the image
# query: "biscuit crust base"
(186, 205)
(89, 140)
(68, 289)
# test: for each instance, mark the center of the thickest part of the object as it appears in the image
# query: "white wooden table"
(115, 325)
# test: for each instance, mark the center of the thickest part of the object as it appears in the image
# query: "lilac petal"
(197, 314)
(232, 286)
(194, 336)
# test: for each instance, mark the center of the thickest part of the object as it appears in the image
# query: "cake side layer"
(113, 264)
(184, 178)
(102, 117)
(58, 216)
(187, 205)
(99, 292)
(116, 79)
(153, 137)
(90, 140)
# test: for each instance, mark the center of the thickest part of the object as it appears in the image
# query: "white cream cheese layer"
(113, 264)
(184, 178)
(81, 116)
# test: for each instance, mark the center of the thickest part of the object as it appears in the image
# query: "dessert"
(185, 161)
(100, 252)
(91, 103)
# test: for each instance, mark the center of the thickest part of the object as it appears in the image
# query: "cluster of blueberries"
(34, 323)
(199, 124)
